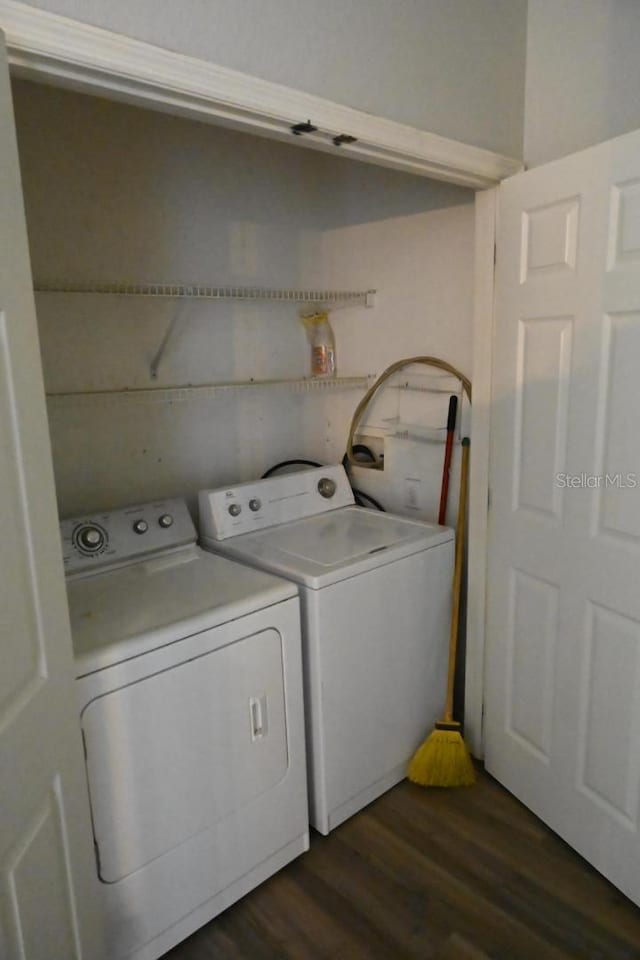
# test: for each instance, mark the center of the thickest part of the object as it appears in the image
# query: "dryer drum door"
(177, 752)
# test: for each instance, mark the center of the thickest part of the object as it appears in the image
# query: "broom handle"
(446, 468)
(457, 579)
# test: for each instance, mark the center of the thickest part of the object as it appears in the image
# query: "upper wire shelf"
(201, 391)
(205, 291)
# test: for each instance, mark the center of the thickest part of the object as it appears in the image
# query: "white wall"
(114, 192)
(454, 67)
(582, 75)
(421, 264)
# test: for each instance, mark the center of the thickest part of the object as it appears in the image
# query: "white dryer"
(375, 592)
(190, 702)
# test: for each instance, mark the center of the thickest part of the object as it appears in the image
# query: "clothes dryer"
(190, 703)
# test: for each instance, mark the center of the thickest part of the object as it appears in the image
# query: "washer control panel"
(230, 511)
(118, 536)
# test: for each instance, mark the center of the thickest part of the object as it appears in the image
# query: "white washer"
(375, 592)
(190, 691)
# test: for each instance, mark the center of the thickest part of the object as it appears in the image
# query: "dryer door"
(171, 755)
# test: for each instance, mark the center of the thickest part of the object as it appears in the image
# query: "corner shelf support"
(155, 363)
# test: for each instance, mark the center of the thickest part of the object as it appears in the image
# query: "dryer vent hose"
(371, 392)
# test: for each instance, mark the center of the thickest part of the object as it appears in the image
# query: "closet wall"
(582, 75)
(117, 193)
(453, 67)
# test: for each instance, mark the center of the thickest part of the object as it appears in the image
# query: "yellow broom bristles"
(442, 761)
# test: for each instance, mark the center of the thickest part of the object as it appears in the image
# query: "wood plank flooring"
(467, 874)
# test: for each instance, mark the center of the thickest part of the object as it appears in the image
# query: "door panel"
(41, 904)
(531, 643)
(563, 657)
(544, 355)
(610, 777)
(616, 513)
(45, 838)
(24, 661)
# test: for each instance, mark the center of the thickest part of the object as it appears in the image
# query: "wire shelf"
(419, 411)
(205, 291)
(204, 391)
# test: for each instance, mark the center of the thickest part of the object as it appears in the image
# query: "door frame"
(486, 211)
(49, 48)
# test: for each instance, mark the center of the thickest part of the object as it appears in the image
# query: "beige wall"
(582, 76)
(114, 192)
(454, 67)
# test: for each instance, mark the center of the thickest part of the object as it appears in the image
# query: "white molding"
(485, 238)
(68, 53)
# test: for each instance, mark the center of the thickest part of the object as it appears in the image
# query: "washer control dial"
(234, 509)
(140, 526)
(326, 487)
(90, 538)
(255, 504)
(165, 521)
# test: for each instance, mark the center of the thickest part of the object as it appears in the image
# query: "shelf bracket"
(155, 363)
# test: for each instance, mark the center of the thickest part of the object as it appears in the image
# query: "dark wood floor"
(465, 874)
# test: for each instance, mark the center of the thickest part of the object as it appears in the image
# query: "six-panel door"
(46, 855)
(563, 659)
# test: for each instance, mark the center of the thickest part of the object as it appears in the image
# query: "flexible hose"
(371, 392)
(359, 495)
(289, 463)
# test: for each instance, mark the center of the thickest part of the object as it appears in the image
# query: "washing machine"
(375, 593)
(189, 684)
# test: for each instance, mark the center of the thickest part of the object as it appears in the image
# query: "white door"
(46, 855)
(563, 661)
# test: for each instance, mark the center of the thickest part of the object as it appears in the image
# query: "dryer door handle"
(258, 715)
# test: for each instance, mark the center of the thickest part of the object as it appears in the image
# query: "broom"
(446, 467)
(443, 759)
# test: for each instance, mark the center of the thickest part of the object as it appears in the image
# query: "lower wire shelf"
(202, 391)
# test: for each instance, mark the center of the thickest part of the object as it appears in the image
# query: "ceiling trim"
(46, 47)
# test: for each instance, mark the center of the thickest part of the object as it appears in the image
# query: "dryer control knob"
(234, 509)
(326, 487)
(90, 538)
(140, 526)
(255, 504)
(166, 520)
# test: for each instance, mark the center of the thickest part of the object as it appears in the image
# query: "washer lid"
(320, 550)
(126, 612)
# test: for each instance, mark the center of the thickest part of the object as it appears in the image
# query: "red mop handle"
(448, 450)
